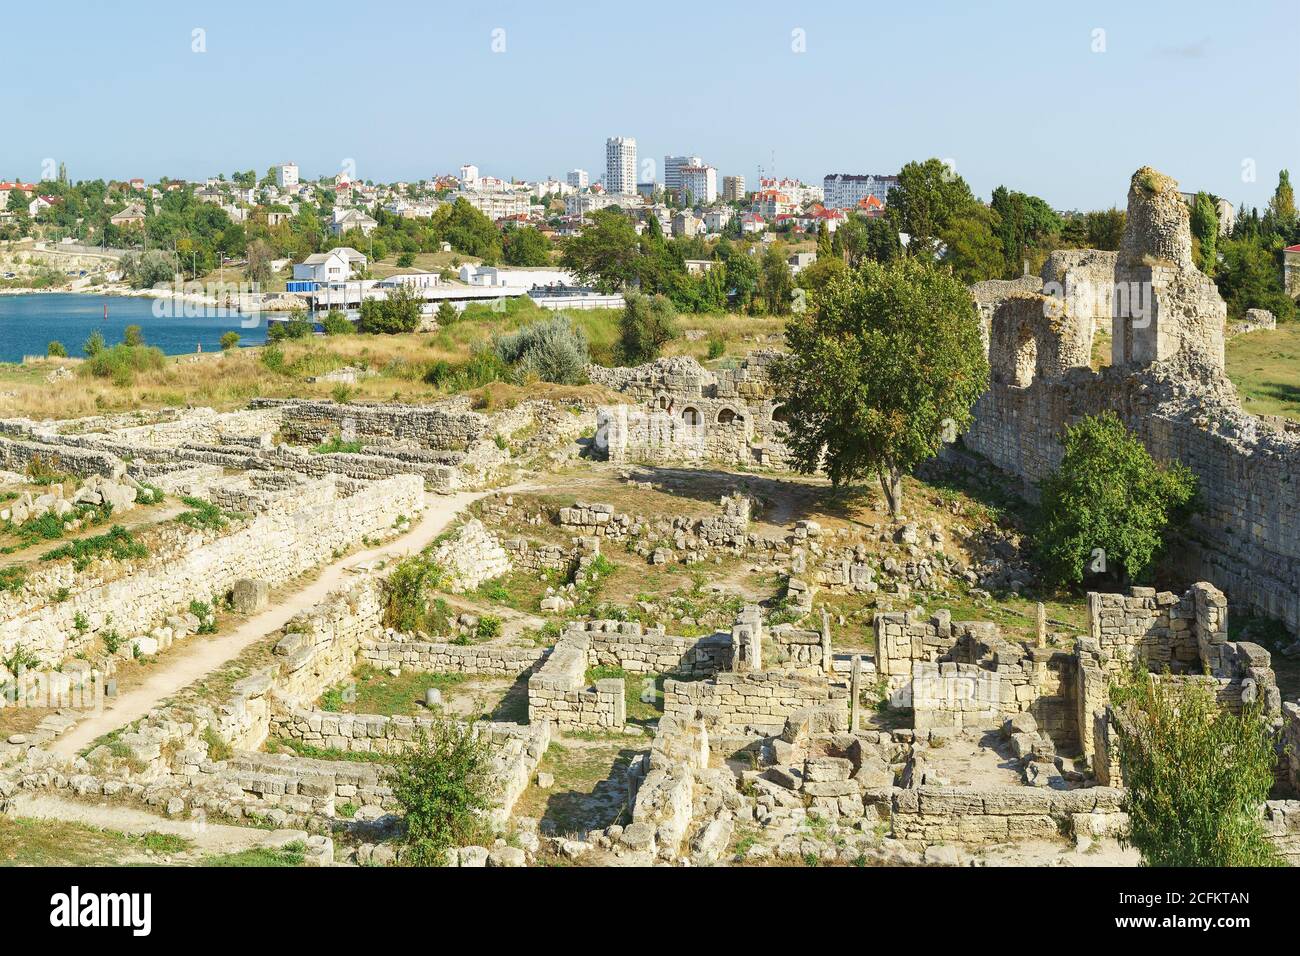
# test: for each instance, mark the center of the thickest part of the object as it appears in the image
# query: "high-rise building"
(733, 188)
(578, 178)
(620, 164)
(843, 190)
(286, 174)
(673, 169)
(699, 182)
(469, 176)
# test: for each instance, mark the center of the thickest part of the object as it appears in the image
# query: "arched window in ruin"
(727, 416)
(663, 402)
(692, 416)
(1026, 359)
(780, 414)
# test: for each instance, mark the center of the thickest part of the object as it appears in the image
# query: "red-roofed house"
(22, 189)
(871, 207)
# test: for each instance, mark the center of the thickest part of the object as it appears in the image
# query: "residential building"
(844, 190)
(672, 169)
(130, 216)
(733, 188)
(1291, 270)
(469, 176)
(346, 220)
(800, 193)
(696, 267)
(700, 183)
(752, 222)
(769, 203)
(23, 190)
(578, 178)
(871, 207)
(1226, 212)
(337, 265)
(687, 225)
(620, 164)
(39, 204)
(579, 204)
(496, 205)
(800, 261)
(716, 220)
(286, 175)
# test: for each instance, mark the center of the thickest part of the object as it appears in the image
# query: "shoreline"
(172, 295)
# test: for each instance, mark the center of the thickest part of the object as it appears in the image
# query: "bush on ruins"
(443, 784)
(1110, 508)
(1195, 773)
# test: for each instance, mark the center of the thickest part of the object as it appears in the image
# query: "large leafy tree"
(1023, 222)
(646, 325)
(606, 253)
(887, 361)
(928, 197)
(1110, 507)
(971, 246)
(527, 247)
(1195, 774)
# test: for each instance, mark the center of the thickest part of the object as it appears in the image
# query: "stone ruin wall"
(680, 411)
(1166, 382)
(274, 547)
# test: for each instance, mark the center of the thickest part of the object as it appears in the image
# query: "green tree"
(260, 254)
(1205, 231)
(1249, 277)
(928, 197)
(886, 363)
(446, 314)
(1281, 208)
(229, 340)
(607, 252)
(527, 247)
(398, 312)
(1023, 222)
(971, 246)
(646, 325)
(1110, 507)
(444, 785)
(56, 349)
(298, 326)
(133, 335)
(1195, 773)
(775, 283)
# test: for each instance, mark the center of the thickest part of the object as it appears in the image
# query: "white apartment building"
(496, 205)
(579, 204)
(578, 178)
(286, 175)
(716, 220)
(552, 187)
(620, 164)
(469, 176)
(845, 190)
(699, 182)
(673, 169)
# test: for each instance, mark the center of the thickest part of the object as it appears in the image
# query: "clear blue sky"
(1011, 92)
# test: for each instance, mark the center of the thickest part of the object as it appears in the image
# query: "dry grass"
(229, 380)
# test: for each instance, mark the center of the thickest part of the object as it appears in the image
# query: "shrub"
(298, 326)
(717, 346)
(335, 445)
(406, 592)
(447, 314)
(1109, 499)
(41, 472)
(1195, 774)
(553, 350)
(229, 340)
(398, 312)
(56, 349)
(342, 394)
(202, 514)
(94, 344)
(488, 628)
(406, 260)
(336, 323)
(133, 335)
(121, 363)
(645, 326)
(273, 358)
(483, 366)
(443, 784)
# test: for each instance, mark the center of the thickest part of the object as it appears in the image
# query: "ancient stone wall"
(558, 691)
(134, 597)
(441, 658)
(982, 815)
(648, 650)
(750, 703)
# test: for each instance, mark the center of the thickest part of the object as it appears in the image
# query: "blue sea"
(28, 323)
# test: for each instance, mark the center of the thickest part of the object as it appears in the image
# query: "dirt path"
(205, 836)
(187, 663)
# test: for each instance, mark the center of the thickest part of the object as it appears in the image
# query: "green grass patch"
(291, 854)
(117, 543)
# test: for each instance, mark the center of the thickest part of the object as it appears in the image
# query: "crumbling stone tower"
(1165, 309)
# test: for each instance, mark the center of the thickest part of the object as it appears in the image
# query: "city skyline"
(797, 104)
